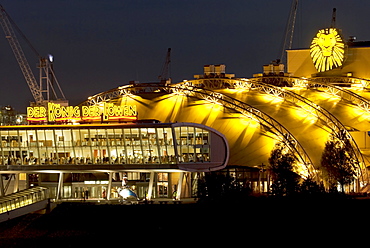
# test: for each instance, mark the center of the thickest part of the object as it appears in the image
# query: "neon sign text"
(36, 114)
(57, 113)
(62, 113)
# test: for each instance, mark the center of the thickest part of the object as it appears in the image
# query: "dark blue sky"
(99, 45)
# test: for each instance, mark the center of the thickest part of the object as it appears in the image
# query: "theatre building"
(156, 158)
(159, 137)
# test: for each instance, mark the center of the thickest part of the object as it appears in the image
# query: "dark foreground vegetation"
(264, 219)
(226, 211)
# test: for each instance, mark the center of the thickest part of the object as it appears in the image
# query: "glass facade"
(192, 144)
(103, 144)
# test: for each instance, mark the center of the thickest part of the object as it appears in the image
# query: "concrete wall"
(357, 61)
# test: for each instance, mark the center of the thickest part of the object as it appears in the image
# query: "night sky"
(98, 45)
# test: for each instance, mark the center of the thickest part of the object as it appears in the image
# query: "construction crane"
(289, 31)
(41, 91)
(333, 18)
(165, 73)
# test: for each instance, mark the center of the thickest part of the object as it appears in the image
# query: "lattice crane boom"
(289, 31)
(20, 57)
(333, 18)
(165, 69)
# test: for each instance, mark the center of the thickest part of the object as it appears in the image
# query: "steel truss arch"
(344, 94)
(359, 82)
(215, 97)
(328, 84)
(338, 129)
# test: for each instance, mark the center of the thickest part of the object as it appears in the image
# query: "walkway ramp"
(23, 202)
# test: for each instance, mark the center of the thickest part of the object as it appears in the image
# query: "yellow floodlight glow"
(125, 92)
(214, 98)
(332, 97)
(299, 166)
(305, 113)
(300, 83)
(361, 112)
(359, 85)
(250, 116)
(168, 107)
(327, 49)
(273, 99)
(250, 121)
(179, 92)
(329, 94)
(243, 85)
(301, 169)
(184, 89)
(213, 106)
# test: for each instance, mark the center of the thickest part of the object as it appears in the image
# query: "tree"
(337, 163)
(309, 188)
(214, 186)
(285, 182)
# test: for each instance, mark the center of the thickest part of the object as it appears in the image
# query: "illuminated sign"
(62, 113)
(57, 113)
(327, 49)
(36, 114)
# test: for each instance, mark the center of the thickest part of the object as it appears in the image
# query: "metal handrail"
(23, 198)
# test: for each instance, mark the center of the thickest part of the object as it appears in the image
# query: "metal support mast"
(45, 90)
(49, 85)
(165, 70)
(288, 38)
(19, 55)
(333, 18)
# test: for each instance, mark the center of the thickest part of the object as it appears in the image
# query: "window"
(162, 184)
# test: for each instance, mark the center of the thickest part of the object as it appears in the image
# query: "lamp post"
(260, 174)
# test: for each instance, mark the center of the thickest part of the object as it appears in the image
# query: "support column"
(188, 184)
(109, 190)
(2, 193)
(151, 182)
(16, 183)
(60, 186)
(179, 186)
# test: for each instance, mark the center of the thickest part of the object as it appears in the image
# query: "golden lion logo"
(327, 49)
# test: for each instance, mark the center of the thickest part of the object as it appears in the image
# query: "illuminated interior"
(108, 144)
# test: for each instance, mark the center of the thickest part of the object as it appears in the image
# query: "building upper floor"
(134, 146)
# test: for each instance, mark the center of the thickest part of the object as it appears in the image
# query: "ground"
(86, 224)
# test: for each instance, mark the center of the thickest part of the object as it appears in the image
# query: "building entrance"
(162, 185)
